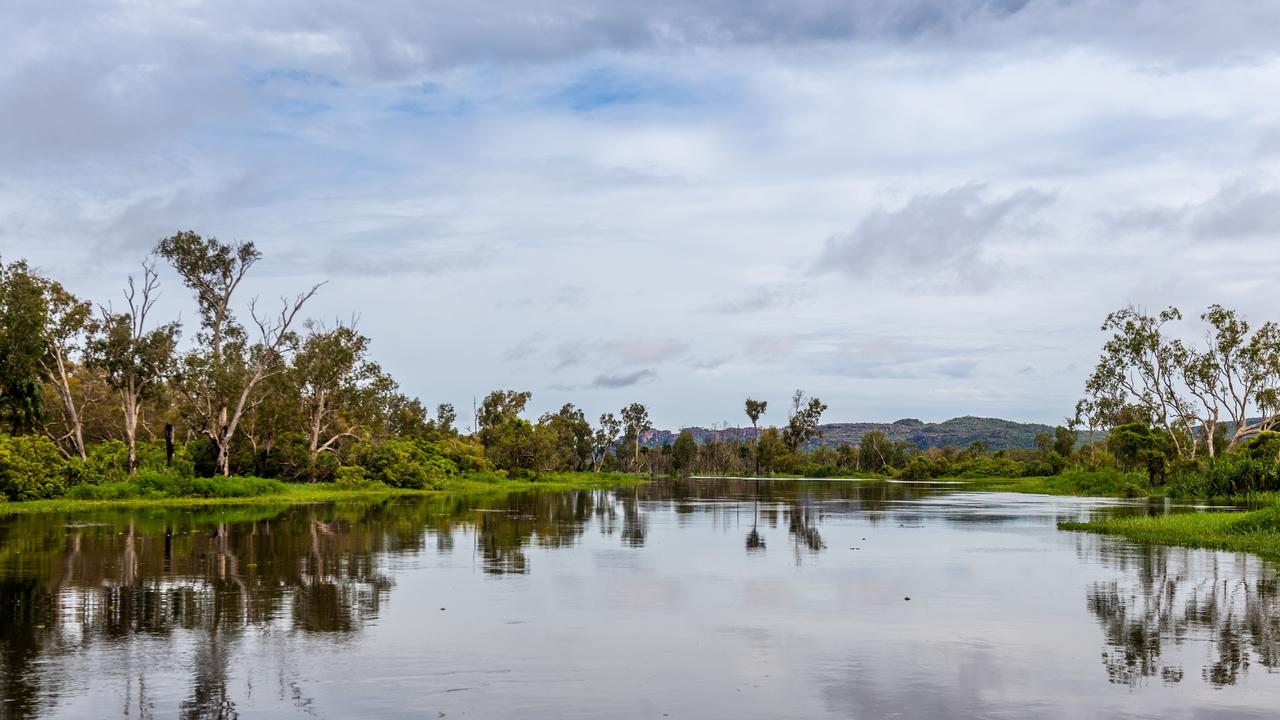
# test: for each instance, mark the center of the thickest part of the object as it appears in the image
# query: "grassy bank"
(1102, 483)
(1256, 531)
(247, 491)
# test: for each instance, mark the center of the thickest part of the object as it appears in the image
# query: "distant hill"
(959, 432)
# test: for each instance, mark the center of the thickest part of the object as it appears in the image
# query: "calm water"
(699, 599)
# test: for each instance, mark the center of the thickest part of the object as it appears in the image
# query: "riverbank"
(1080, 483)
(1254, 531)
(284, 493)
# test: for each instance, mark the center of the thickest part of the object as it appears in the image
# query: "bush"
(1110, 481)
(148, 484)
(408, 463)
(1237, 473)
(920, 468)
(31, 468)
(108, 462)
(818, 470)
(1264, 446)
(987, 466)
(355, 478)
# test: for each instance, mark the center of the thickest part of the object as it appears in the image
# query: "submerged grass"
(1256, 531)
(246, 491)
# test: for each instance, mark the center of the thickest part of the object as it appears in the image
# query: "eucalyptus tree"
(755, 410)
(1236, 373)
(570, 437)
(1188, 392)
(340, 390)
(23, 316)
(802, 421)
(134, 360)
(69, 327)
(220, 378)
(605, 437)
(635, 422)
(498, 407)
(1141, 363)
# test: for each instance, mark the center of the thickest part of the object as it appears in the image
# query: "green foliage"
(24, 314)
(918, 469)
(1137, 446)
(147, 484)
(354, 477)
(988, 466)
(407, 463)
(1256, 532)
(108, 462)
(1264, 446)
(683, 452)
(1227, 475)
(31, 468)
(802, 423)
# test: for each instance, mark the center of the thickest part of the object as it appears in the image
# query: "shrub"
(920, 468)
(407, 463)
(148, 484)
(31, 468)
(818, 470)
(108, 462)
(987, 466)
(1265, 446)
(1236, 473)
(354, 477)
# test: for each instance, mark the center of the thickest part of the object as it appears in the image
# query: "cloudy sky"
(917, 208)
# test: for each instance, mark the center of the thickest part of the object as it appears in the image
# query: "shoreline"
(301, 494)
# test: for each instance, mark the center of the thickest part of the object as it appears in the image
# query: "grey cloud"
(759, 298)
(645, 350)
(408, 260)
(935, 240)
(874, 356)
(523, 349)
(622, 380)
(403, 39)
(632, 351)
(1239, 210)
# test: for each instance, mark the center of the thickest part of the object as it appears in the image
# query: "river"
(680, 599)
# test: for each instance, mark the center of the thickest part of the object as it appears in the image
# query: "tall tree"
(23, 316)
(802, 422)
(1191, 394)
(569, 436)
(133, 359)
(1141, 363)
(69, 326)
(755, 410)
(497, 407)
(635, 421)
(221, 377)
(605, 436)
(683, 452)
(339, 387)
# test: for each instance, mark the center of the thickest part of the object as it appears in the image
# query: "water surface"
(693, 599)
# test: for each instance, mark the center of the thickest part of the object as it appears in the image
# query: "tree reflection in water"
(212, 578)
(1174, 601)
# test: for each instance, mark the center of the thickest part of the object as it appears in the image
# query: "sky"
(918, 208)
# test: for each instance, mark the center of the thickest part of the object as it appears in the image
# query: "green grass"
(1257, 531)
(1103, 483)
(244, 491)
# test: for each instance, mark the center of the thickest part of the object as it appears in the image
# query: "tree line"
(99, 393)
(1199, 412)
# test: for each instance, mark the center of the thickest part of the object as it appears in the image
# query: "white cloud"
(563, 191)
